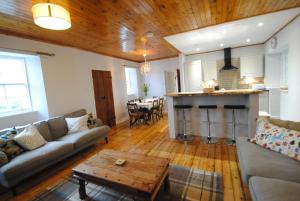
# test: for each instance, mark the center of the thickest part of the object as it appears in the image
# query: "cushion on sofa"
(76, 124)
(30, 138)
(257, 161)
(79, 139)
(276, 138)
(9, 146)
(286, 124)
(43, 128)
(30, 160)
(267, 189)
(3, 158)
(58, 127)
(77, 113)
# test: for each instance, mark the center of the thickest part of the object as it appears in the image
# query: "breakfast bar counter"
(220, 118)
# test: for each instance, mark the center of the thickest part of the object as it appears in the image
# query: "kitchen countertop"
(217, 93)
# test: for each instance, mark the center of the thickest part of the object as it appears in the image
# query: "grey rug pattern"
(186, 184)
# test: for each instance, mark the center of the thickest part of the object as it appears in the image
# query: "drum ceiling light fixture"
(51, 16)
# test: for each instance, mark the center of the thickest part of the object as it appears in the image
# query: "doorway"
(104, 99)
(170, 82)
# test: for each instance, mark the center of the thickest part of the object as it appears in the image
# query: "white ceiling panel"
(248, 31)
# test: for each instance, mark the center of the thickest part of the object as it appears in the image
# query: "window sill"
(12, 114)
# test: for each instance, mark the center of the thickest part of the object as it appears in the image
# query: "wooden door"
(104, 99)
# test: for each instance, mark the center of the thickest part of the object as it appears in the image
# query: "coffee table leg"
(167, 184)
(82, 192)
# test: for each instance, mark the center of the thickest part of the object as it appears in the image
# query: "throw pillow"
(9, 146)
(3, 158)
(91, 122)
(278, 139)
(30, 138)
(77, 124)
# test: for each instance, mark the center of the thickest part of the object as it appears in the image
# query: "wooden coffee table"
(141, 176)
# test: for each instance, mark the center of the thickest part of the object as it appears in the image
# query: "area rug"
(186, 184)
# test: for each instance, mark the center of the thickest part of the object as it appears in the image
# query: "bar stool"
(184, 136)
(207, 108)
(233, 108)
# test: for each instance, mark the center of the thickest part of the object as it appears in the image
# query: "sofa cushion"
(30, 138)
(279, 139)
(267, 189)
(31, 160)
(77, 113)
(286, 124)
(257, 161)
(79, 139)
(3, 158)
(58, 127)
(9, 146)
(43, 128)
(77, 124)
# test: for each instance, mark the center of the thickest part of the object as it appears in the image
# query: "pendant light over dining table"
(145, 67)
(51, 16)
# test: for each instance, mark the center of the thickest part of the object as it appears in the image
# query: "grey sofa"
(60, 146)
(271, 176)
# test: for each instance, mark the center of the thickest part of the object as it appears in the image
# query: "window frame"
(13, 112)
(137, 82)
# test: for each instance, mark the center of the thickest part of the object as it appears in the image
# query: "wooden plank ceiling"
(118, 27)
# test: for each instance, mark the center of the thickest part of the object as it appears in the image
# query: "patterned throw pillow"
(3, 158)
(30, 138)
(9, 146)
(278, 139)
(91, 122)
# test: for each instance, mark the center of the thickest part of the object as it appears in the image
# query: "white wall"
(235, 52)
(208, 60)
(156, 77)
(272, 70)
(289, 39)
(68, 78)
(193, 76)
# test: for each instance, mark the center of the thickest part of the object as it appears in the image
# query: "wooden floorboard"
(153, 141)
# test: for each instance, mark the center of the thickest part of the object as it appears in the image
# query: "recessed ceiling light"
(198, 49)
(248, 40)
(192, 38)
(221, 45)
(260, 24)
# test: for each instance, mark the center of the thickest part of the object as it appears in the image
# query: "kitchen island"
(221, 119)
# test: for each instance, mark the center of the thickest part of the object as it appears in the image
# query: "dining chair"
(131, 101)
(135, 116)
(154, 96)
(161, 107)
(155, 110)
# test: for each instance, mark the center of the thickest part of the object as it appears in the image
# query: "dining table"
(145, 103)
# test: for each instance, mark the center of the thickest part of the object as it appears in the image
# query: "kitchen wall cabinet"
(252, 66)
(209, 70)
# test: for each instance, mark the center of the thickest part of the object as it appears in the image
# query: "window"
(131, 81)
(14, 92)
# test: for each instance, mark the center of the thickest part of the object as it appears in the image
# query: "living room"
(129, 100)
